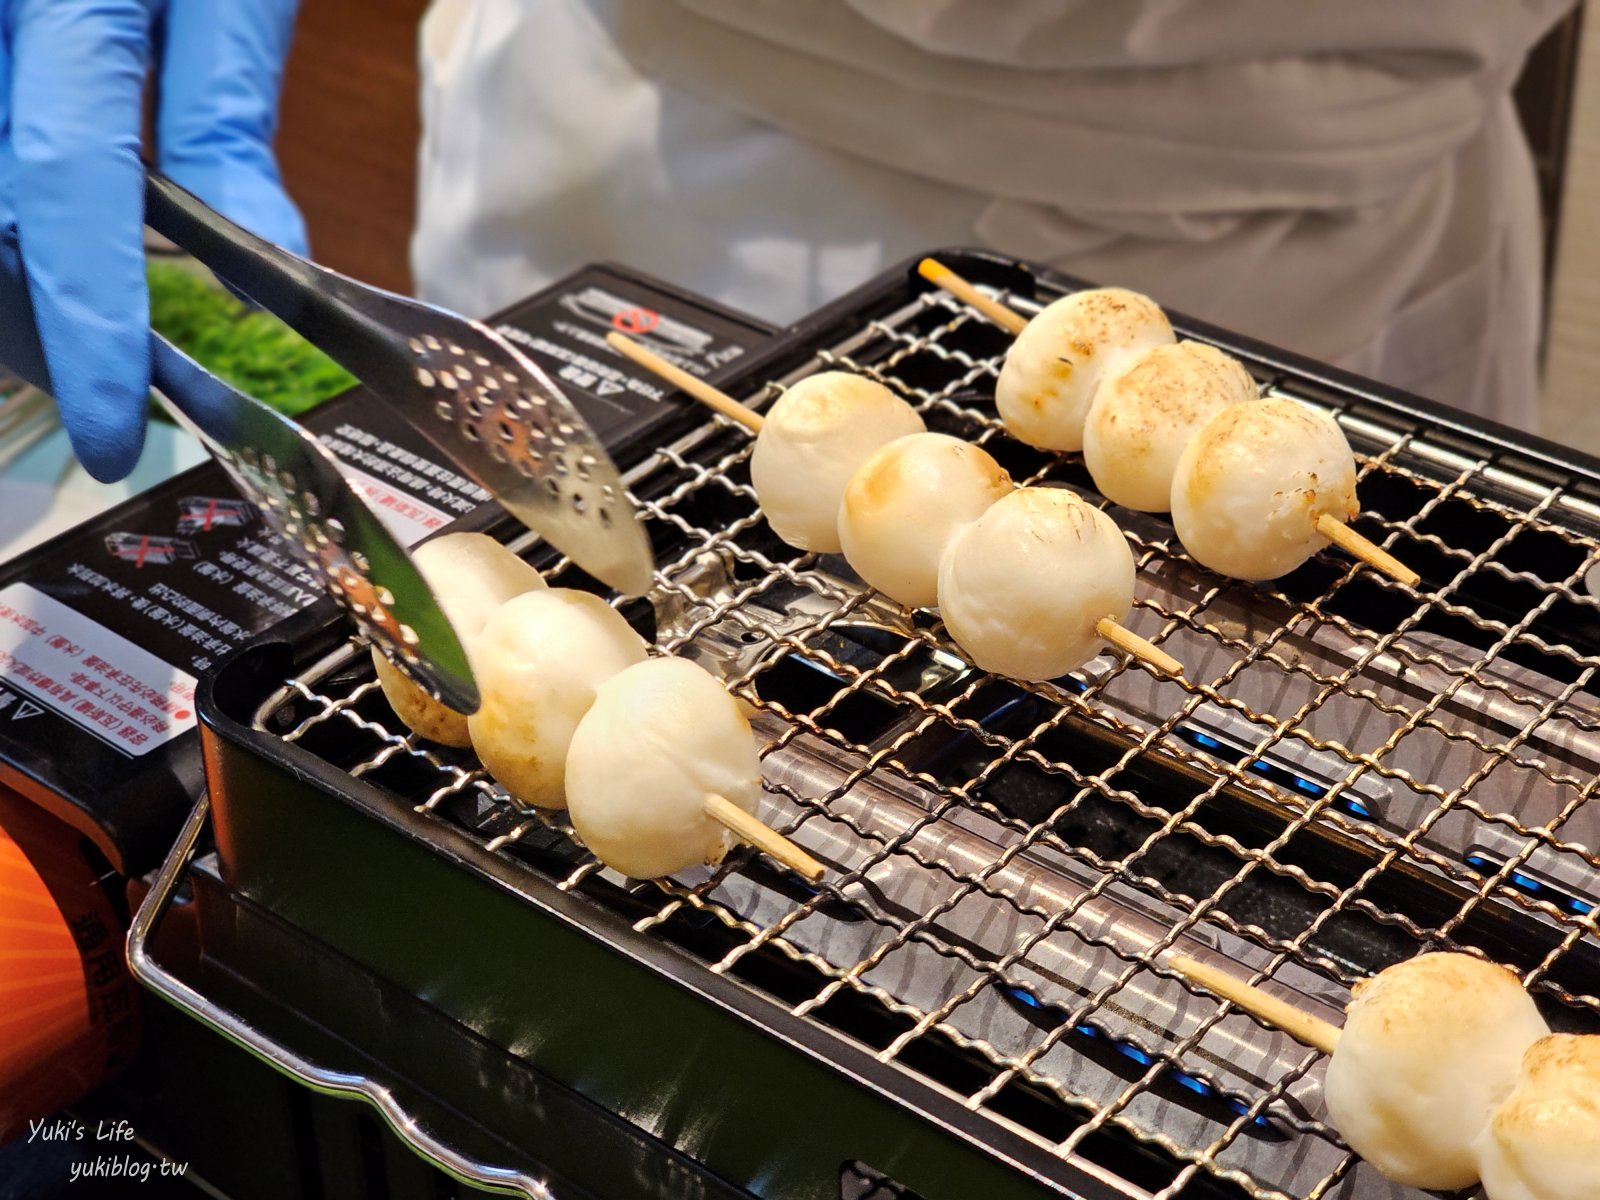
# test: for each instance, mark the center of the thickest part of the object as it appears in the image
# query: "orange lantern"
(68, 1008)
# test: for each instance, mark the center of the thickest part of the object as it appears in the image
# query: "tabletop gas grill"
(974, 1002)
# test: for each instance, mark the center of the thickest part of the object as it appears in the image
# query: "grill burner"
(1353, 771)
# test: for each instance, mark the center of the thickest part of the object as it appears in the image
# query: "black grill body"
(974, 1003)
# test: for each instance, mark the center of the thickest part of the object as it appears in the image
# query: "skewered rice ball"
(661, 736)
(1543, 1142)
(471, 575)
(1022, 588)
(1051, 372)
(904, 505)
(1253, 481)
(813, 440)
(540, 660)
(1144, 415)
(1430, 1046)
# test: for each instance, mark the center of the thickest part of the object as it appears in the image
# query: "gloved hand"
(74, 313)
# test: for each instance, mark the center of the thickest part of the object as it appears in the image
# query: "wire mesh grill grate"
(1353, 770)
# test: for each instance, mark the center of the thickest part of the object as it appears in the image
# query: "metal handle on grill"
(402, 1115)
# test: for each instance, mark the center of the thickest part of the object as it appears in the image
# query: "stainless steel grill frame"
(1018, 969)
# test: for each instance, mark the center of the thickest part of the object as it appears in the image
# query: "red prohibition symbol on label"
(635, 320)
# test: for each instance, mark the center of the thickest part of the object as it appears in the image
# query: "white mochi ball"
(1543, 1142)
(1022, 588)
(1052, 370)
(904, 505)
(1252, 482)
(661, 737)
(813, 440)
(1430, 1047)
(471, 575)
(539, 661)
(1144, 415)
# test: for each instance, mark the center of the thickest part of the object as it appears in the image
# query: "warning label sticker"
(412, 493)
(52, 655)
(564, 331)
(409, 519)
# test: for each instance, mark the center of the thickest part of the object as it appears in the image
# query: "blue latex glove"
(74, 313)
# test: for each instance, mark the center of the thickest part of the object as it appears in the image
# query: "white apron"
(1346, 179)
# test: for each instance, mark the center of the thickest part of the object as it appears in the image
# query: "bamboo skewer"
(763, 837)
(1108, 628)
(1280, 1014)
(702, 391)
(1129, 642)
(1369, 552)
(942, 276)
(1335, 530)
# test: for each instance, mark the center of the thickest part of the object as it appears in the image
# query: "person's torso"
(774, 152)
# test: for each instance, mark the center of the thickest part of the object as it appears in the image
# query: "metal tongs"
(306, 500)
(474, 395)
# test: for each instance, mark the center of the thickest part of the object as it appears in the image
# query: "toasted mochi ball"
(1053, 368)
(1022, 588)
(1252, 482)
(471, 575)
(1144, 415)
(661, 737)
(1430, 1047)
(1543, 1142)
(814, 438)
(904, 505)
(539, 661)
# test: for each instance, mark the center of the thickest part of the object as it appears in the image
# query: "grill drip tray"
(974, 1002)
